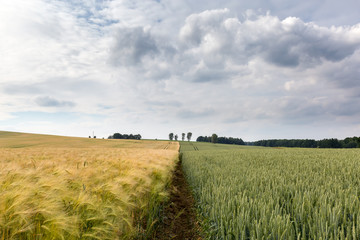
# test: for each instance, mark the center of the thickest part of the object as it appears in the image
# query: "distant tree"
(351, 142)
(117, 136)
(94, 136)
(89, 136)
(183, 136)
(200, 139)
(329, 143)
(171, 136)
(188, 136)
(176, 137)
(214, 138)
(124, 136)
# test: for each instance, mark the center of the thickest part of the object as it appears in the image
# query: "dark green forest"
(125, 136)
(350, 142)
(225, 140)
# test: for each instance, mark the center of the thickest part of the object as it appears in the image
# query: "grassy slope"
(25, 140)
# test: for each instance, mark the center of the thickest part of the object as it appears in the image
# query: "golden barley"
(50, 191)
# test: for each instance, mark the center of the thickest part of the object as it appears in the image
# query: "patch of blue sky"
(91, 12)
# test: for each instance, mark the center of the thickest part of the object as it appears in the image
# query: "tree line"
(224, 140)
(350, 142)
(175, 137)
(125, 136)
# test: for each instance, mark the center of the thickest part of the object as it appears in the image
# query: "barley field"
(76, 188)
(275, 193)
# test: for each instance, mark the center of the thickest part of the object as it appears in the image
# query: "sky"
(259, 69)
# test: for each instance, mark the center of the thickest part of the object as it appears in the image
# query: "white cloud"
(286, 43)
(171, 64)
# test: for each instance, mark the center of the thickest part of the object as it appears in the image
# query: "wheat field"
(74, 188)
(275, 193)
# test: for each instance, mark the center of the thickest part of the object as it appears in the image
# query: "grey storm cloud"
(52, 102)
(131, 45)
(209, 74)
(346, 75)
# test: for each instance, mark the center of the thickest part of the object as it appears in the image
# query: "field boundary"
(180, 218)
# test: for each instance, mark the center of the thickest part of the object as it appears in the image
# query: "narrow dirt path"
(180, 220)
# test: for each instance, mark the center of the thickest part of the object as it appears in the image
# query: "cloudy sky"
(255, 69)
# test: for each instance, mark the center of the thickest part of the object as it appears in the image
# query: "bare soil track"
(179, 221)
